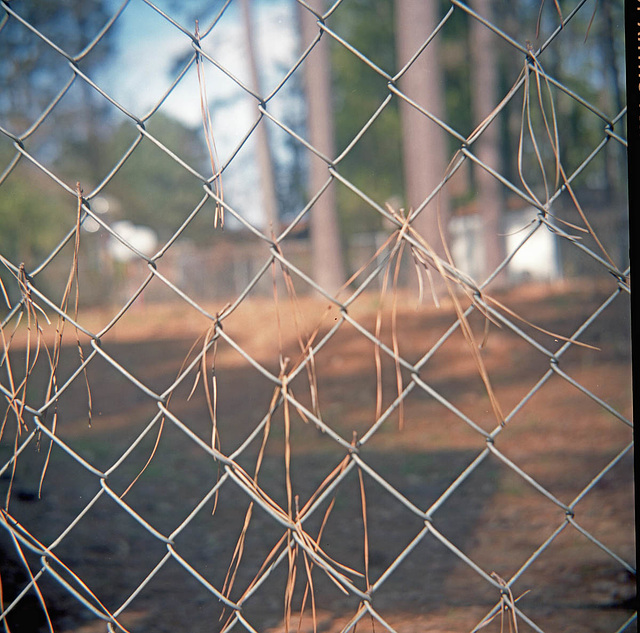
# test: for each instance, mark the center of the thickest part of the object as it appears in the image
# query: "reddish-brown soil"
(550, 449)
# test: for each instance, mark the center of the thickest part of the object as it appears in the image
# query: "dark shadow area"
(112, 553)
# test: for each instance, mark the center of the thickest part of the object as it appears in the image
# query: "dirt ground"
(495, 520)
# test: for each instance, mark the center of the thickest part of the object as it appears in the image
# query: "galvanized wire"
(296, 527)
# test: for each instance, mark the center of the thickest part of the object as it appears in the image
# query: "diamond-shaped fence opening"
(314, 317)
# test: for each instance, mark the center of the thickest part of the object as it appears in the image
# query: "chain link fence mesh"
(235, 445)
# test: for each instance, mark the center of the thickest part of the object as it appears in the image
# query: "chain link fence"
(211, 437)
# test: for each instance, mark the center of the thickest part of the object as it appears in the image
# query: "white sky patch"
(143, 70)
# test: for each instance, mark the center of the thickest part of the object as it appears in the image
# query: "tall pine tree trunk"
(327, 257)
(265, 158)
(424, 142)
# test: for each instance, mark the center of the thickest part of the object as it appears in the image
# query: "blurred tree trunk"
(424, 142)
(265, 158)
(327, 257)
(615, 154)
(486, 148)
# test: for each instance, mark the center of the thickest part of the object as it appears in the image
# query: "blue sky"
(147, 46)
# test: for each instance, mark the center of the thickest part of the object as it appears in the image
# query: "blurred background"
(338, 100)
